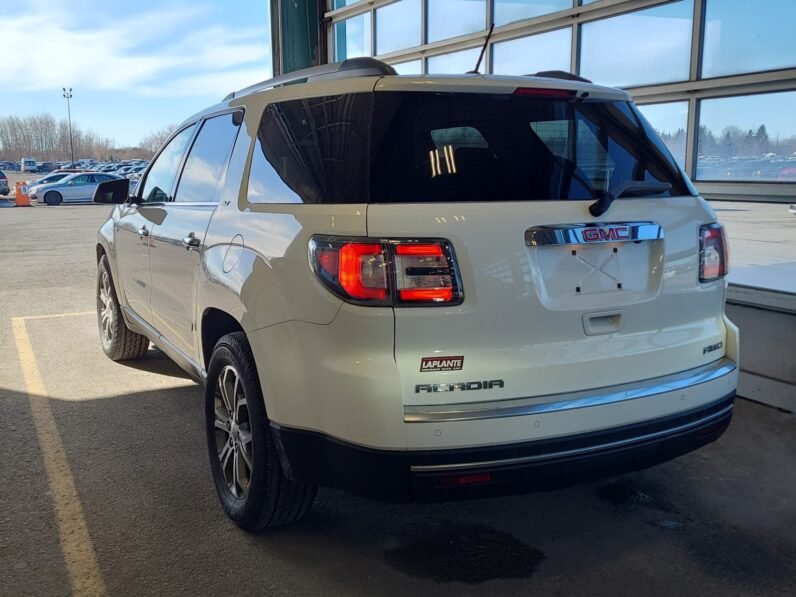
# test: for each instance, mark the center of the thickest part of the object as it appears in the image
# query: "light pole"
(67, 97)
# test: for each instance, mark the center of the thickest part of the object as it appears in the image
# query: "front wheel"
(253, 490)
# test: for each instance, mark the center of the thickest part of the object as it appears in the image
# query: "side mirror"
(70, 183)
(112, 191)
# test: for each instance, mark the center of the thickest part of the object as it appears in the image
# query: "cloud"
(170, 49)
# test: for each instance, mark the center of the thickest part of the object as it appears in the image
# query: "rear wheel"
(253, 490)
(119, 343)
(53, 198)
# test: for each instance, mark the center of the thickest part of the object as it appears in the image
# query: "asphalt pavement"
(105, 484)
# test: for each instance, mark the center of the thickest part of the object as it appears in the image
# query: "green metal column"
(299, 40)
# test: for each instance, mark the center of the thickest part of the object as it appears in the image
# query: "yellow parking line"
(27, 317)
(81, 561)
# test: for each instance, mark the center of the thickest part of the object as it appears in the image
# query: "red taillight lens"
(713, 253)
(391, 272)
(354, 270)
(544, 92)
(423, 273)
(362, 272)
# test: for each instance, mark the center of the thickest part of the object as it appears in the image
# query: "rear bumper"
(486, 471)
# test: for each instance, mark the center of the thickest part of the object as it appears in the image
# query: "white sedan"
(74, 188)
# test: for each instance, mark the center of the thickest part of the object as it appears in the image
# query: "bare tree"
(41, 137)
(153, 141)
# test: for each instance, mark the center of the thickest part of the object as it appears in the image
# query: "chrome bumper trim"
(437, 468)
(518, 407)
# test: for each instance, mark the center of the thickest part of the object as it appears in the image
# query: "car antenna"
(483, 49)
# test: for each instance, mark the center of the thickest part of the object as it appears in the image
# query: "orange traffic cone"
(22, 199)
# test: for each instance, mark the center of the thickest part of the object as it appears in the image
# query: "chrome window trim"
(519, 407)
(573, 234)
(436, 468)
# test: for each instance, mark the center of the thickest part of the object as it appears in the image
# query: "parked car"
(423, 288)
(49, 179)
(133, 171)
(73, 188)
(4, 189)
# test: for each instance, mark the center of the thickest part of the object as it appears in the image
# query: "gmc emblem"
(607, 233)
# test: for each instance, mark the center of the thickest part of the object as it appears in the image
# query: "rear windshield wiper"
(638, 188)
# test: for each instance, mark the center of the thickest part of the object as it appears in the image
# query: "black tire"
(269, 499)
(53, 198)
(119, 342)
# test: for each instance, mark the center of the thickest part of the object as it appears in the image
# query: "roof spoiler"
(559, 74)
(353, 67)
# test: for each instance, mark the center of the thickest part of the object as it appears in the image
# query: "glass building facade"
(716, 78)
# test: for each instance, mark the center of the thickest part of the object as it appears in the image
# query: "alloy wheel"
(233, 432)
(106, 308)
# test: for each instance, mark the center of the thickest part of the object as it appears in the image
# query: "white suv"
(423, 287)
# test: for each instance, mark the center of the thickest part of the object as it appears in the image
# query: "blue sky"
(133, 66)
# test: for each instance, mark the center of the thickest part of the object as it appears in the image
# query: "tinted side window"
(207, 160)
(158, 184)
(313, 151)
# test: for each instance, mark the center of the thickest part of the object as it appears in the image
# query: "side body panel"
(255, 264)
(175, 272)
(133, 279)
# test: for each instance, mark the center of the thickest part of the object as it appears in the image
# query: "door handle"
(191, 242)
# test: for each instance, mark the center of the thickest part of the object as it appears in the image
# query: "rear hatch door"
(555, 299)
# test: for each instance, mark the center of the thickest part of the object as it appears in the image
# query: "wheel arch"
(214, 324)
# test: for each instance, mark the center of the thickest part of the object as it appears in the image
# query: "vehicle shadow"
(140, 465)
(156, 361)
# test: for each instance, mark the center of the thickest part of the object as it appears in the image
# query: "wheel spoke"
(238, 398)
(241, 476)
(245, 435)
(224, 387)
(247, 459)
(222, 420)
(240, 405)
(225, 453)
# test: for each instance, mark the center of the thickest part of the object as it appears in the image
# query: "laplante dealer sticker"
(435, 364)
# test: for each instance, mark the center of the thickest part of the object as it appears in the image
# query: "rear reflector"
(544, 92)
(460, 480)
(389, 272)
(713, 253)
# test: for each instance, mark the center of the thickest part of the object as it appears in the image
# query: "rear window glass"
(394, 147)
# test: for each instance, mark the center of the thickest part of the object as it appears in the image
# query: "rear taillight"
(713, 254)
(387, 272)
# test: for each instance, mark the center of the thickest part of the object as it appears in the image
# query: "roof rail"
(559, 74)
(353, 67)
